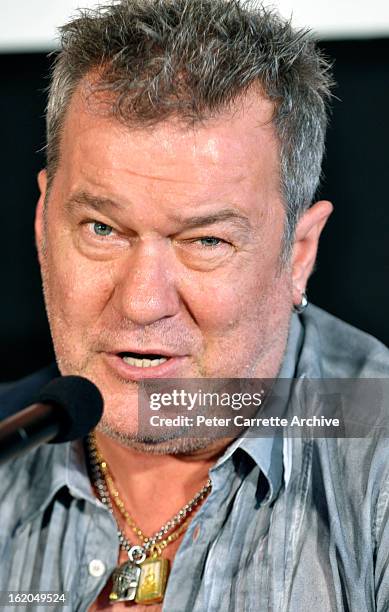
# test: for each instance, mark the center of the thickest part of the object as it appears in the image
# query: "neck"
(154, 487)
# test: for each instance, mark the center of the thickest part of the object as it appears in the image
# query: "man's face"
(165, 242)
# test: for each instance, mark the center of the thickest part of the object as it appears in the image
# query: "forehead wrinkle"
(180, 181)
(163, 179)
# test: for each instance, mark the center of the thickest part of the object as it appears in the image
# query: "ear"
(39, 214)
(306, 242)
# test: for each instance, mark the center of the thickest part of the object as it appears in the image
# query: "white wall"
(339, 18)
(31, 24)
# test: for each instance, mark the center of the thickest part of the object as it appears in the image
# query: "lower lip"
(169, 369)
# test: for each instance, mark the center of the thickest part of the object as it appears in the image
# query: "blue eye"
(101, 229)
(210, 241)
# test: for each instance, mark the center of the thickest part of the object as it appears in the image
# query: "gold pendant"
(152, 580)
(125, 582)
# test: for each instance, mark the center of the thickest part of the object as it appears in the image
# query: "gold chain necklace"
(143, 578)
(155, 549)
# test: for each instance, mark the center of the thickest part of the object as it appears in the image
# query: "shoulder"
(340, 349)
(33, 472)
(358, 364)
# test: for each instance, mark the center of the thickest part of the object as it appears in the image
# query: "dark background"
(351, 278)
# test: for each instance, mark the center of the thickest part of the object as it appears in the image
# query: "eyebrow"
(226, 214)
(83, 198)
(98, 203)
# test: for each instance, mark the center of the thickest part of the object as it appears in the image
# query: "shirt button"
(96, 568)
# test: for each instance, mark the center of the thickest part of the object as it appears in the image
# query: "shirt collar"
(64, 466)
(268, 452)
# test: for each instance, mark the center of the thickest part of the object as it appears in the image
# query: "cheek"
(76, 289)
(224, 303)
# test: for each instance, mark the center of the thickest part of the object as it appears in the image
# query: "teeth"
(144, 363)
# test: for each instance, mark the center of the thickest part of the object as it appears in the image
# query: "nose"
(145, 290)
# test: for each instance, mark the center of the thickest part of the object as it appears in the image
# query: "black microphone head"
(79, 403)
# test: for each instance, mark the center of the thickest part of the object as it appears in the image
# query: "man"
(176, 236)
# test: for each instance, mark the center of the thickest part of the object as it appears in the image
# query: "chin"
(156, 445)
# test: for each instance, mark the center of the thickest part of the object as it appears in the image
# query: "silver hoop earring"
(303, 304)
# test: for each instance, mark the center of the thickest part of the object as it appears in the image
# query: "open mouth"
(138, 360)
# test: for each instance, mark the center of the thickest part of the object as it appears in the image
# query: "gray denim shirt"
(291, 525)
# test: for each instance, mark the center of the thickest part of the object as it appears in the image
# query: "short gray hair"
(192, 59)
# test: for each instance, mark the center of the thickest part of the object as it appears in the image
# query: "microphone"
(66, 409)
